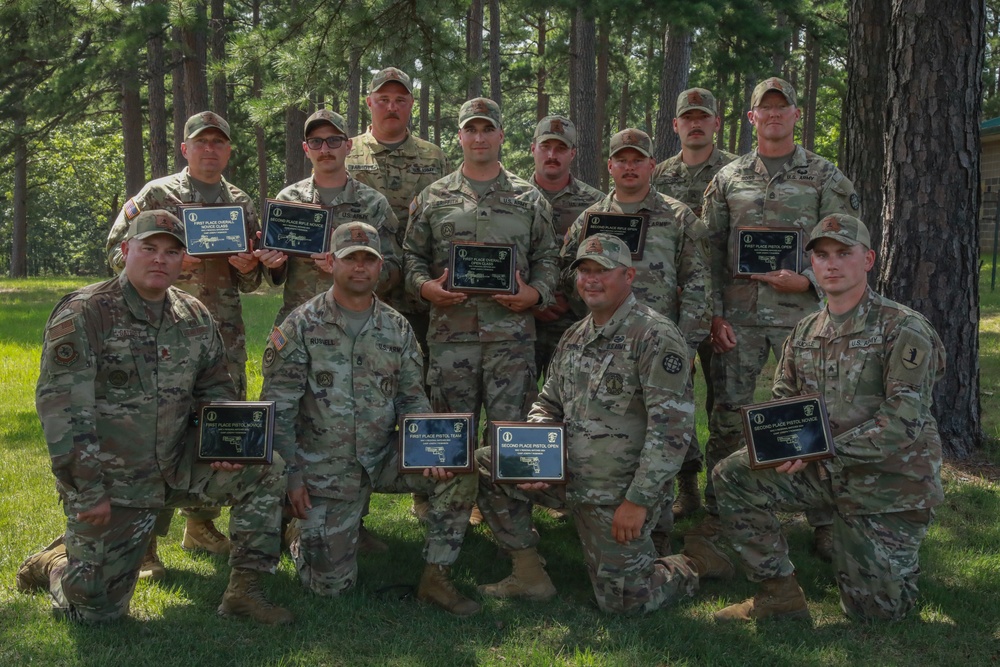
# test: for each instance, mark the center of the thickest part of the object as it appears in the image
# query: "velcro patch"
(278, 338)
(131, 209)
(57, 331)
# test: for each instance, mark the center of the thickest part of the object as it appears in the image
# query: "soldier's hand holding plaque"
(482, 268)
(441, 440)
(215, 229)
(629, 227)
(295, 228)
(787, 429)
(235, 431)
(759, 250)
(526, 452)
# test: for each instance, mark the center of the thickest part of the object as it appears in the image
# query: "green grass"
(174, 622)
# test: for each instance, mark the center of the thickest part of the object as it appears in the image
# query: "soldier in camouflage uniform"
(341, 369)
(124, 365)
(779, 184)
(618, 380)
(331, 186)
(685, 177)
(875, 362)
(673, 276)
(215, 281)
(481, 347)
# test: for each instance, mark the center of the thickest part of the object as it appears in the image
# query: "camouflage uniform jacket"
(400, 175)
(876, 372)
(675, 259)
(304, 279)
(337, 400)
(115, 393)
(511, 212)
(806, 189)
(675, 179)
(568, 203)
(215, 282)
(620, 390)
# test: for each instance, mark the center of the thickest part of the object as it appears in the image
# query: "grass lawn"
(173, 622)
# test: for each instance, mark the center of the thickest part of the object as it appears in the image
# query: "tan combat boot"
(823, 543)
(707, 559)
(152, 567)
(709, 528)
(688, 499)
(33, 575)
(778, 598)
(369, 544)
(204, 536)
(437, 588)
(529, 580)
(476, 517)
(421, 506)
(661, 542)
(244, 597)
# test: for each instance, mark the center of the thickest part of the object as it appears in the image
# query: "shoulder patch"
(909, 359)
(131, 209)
(57, 331)
(278, 338)
(673, 363)
(269, 355)
(65, 354)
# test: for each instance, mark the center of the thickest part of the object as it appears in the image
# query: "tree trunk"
(865, 111)
(720, 101)
(542, 106)
(495, 92)
(260, 137)
(177, 95)
(734, 119)
(134, 157)
(746, 129)
(780, 56)
(588, 153)
(574, 93)
(219, 27)
(19, 242)
(601, 98)
(651, 44)
(354, 93)
(673, 79)
(809, 94)
(295, 157)
(196, 55)
(930, 248)
(158, 148)
(425, 103)
(437, 115)
(474, 49)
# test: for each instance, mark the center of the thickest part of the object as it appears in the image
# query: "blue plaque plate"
(295, 228)
(482, 268)
(236, 431)
(526, 452)
(436, 440)
(214, 229)
(787, 429)
(629, 227)
(760, 250)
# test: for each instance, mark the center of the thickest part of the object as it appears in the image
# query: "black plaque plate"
(526, 452)
(295, 228)
(629, 227)
(436, 440)
(482, 268)
(762, 249)
(787, 429)
(236, 431)
(215, 229)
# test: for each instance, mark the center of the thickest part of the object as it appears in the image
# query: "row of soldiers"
(614, 338)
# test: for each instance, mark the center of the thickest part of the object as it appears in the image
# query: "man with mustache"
(672, 276)
(685, 177)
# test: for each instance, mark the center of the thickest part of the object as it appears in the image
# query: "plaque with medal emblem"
(759, 250)
(235, 431)
(295, 228)
(443, 440)
(215, 229)
(629, 227)
(525, 452)
(787, 429)
(482, 268)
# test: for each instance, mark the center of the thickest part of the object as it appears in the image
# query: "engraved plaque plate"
(482, 268)
(787, 429)
(762, 249)
(629, 227)
(215, 229)
(442, 440)
(236, 431)
(528, 452)
(295, 228)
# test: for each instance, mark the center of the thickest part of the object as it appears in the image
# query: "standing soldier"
(685, 177)
(215, 281)
(672, 277)
(780, 184)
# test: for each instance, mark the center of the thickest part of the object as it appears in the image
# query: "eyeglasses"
(316, 143)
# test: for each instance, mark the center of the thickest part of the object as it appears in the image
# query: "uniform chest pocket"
(862, 374)
(613, 389)
(117, 371)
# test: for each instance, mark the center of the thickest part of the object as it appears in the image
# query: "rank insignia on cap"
(629, 139)
(358, 235)
(775, 83)
(478, 106)
(831, 226)
(694, 98)
(278, 338)
(594, 245)
(556, 126)
(131, 209)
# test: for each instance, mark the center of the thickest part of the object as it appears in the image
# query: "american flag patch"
(65, 327)
(131, 209)
(277, 338)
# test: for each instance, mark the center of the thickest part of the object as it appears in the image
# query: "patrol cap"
(355, 236)
(696, 99)
(842, 228)
(555, 127)
(480, 107)
(388, 74)
(157, 221)
(606, 249)
(773, 83)
(321, 116)
(632, 138)
(200, 122)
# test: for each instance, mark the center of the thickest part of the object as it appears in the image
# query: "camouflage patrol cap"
(555, 127)
(321, 116)
(480, 107)
(632, 138)
(773, 83)
(842, 228)
(388, 74)
(696, 99)
(200, 122)
(355, 236)
(606, 249)
(149, 223)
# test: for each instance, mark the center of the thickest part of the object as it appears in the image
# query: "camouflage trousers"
(102, 564)
(692, 462)
(874, 555)
(326, 551)
(626, 578)
(465, 377)
(734, 378)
